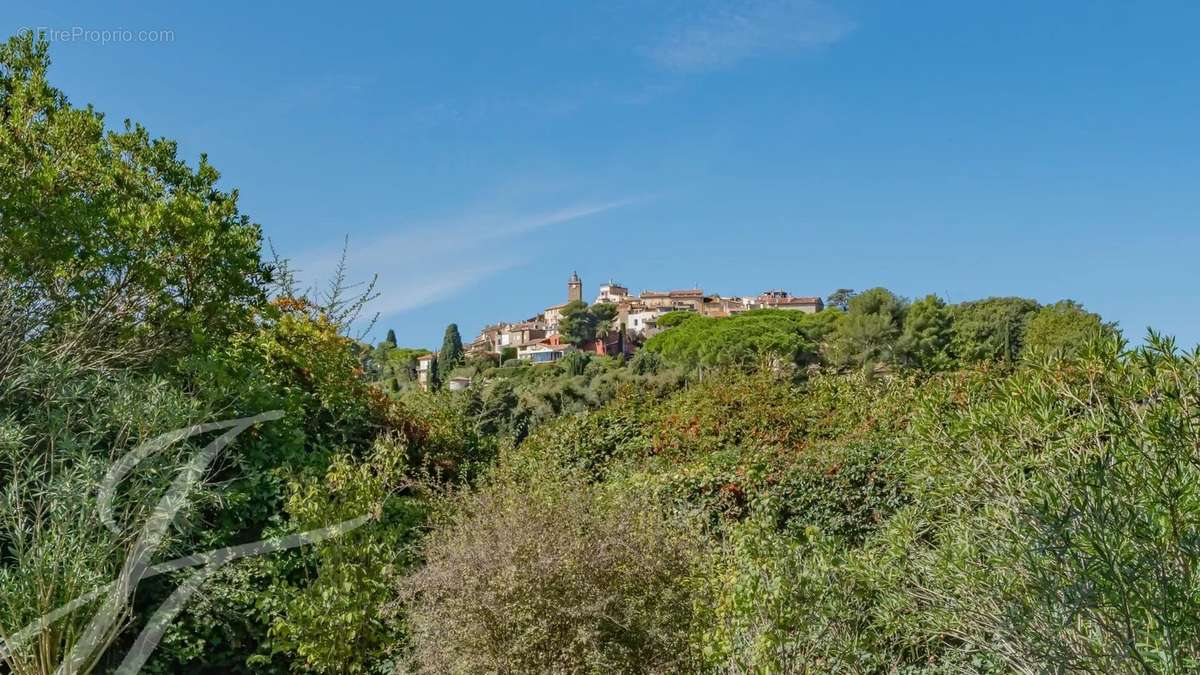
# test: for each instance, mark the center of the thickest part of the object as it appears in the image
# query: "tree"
(603, 313)
(391, 337)
(574, 363)
(507, 354)
(990, 329)
(1063, 328)
(435, 378)
(451, 355)
(925, 342)
(497, 412)
(672, 319)
(743, 340)
(578, 324)
(840, 298)
(409, 372)
(123, 244)
(870, 329)
(645, 362)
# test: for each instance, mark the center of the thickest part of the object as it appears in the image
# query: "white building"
(541, 352)
(644, 322)
(424, 367)
(612, 292)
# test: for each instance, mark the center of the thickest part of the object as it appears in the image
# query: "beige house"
(716, 305)
(612, 292)
(552, 315)
(424, 367)
(490, 338)
(780, 299)
(524, 333)
(690, 300)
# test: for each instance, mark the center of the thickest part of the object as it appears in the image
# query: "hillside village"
(538, 339)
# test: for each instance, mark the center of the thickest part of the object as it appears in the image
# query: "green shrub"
(61, 428)
(645, 362)
(554, 578)
(746, 341)
(672, 319)
(334, 623)
(1063, 328)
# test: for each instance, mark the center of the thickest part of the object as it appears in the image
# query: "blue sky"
(476, 154)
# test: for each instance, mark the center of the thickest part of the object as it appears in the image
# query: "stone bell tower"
(574, 288)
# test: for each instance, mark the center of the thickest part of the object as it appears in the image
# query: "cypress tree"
(452, 348)
(391, 337)
(435, 378)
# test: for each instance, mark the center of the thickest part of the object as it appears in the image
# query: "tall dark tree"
(452, 349)
(435, 376)
(391, 337)
(603, 313)
(578, 324)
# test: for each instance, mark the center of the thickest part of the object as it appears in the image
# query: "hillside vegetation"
(891, 486)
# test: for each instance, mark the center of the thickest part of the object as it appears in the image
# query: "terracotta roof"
(692, 293)
(528, 325)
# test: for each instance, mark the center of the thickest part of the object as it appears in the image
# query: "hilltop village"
(634, 319)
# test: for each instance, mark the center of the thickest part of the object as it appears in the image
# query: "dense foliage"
(109, 230)
(885, 486)
(747, 340)
(507, 588)
(134, 302)
(581, 323)
(1040, 520)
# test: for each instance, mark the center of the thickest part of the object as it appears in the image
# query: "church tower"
(574, 288)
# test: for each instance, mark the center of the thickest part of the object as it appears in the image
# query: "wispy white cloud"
(724, 35)
(538, 221)
(404, 292)
(435, 260)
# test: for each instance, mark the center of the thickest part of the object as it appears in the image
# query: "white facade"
(612, 292)
(543, 353)
(551, 316)
(645, 322)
